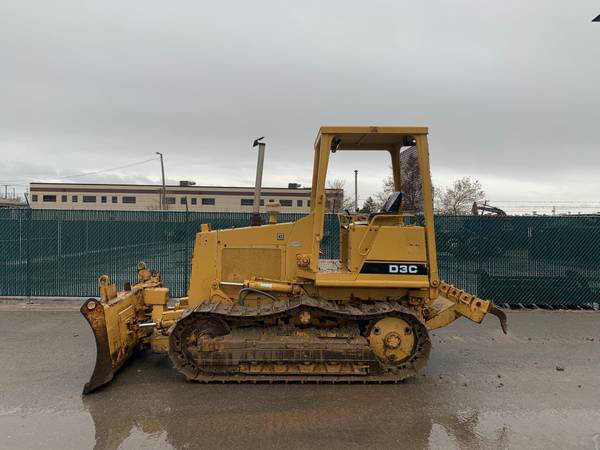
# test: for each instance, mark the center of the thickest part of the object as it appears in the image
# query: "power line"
(544, 201)
(524, 205)
(107, 170)
(82, 174)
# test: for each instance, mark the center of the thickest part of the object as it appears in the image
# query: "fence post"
(482, 247)
(59, 262)
(28, 280)
(187, 264)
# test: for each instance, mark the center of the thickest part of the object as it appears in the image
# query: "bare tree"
(382, 196)
(459, 198)
(411, 186)
(347, 201)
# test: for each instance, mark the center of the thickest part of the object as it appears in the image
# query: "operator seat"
(391, 205)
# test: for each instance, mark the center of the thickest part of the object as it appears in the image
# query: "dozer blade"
(103, 370)
(119, 321)
(115, 342)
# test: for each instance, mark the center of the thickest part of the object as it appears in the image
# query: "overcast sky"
(510, 90)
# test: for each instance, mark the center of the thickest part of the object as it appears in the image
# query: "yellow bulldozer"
(263, 306)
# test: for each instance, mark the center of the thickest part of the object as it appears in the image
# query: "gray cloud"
(508, 89)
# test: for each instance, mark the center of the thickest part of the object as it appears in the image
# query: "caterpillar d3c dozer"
(263, 307)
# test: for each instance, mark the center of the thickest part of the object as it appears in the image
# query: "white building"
(128, 197)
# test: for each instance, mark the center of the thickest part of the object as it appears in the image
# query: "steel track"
(220, 318)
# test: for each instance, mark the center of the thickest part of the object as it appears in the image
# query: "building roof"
(195, 187)
(171, 189)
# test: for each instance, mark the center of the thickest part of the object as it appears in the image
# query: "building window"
(49, 198)
(63, 198)
(89, 199)
(34, 198)
(208, 201)
(250, 202)
(194, 200)
(74, 199)
(308, 203)
(299, 203)
(114, 199)
(183, 200)
(285, 202)
(128, 199)
(103, 199)
(170, 200)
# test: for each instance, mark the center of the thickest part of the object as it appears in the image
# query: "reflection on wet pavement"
(481, 390)
(235, 416)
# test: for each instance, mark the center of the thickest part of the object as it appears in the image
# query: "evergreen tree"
(369, 206)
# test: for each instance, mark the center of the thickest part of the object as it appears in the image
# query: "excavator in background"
(486, 210)
(262, 306)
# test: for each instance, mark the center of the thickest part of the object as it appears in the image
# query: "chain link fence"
(538, 260)
(510, 260)
(61, 252)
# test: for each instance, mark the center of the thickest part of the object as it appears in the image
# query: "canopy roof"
(370, 137)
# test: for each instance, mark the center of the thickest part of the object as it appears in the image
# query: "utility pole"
(255, 220)
(163, 202)
(6, 191)
(356, 190)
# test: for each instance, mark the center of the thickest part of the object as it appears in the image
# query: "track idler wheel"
(186, 341)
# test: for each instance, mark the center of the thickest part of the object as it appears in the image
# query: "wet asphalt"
(537, 387)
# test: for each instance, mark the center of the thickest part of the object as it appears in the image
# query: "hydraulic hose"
(245, 291)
